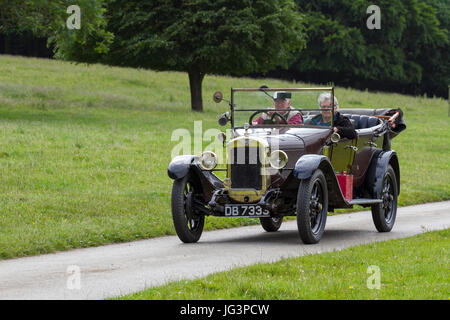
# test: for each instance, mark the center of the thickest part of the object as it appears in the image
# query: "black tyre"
(271, 224)
(312, 207)
(188, 224)
(384, 214)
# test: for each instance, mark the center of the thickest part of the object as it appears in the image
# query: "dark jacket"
(344, 125)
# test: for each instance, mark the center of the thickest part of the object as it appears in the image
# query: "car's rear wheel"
(384, 214)
(312, 207)
(188, 224)
(271, 224)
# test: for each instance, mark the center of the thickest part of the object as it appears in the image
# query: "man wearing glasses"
(341, 124)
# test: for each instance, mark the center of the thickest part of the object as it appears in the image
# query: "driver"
(281, 102)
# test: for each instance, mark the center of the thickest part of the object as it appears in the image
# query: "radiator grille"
(245, 167)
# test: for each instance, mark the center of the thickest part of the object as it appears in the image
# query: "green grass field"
(410, 268)
(84, 150)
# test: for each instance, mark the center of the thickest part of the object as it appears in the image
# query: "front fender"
(307, 164)
(305, 167)
(179, 166)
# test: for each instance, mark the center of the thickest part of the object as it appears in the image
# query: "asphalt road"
(113, 270)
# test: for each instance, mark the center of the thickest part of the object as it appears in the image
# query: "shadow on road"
(291, 237)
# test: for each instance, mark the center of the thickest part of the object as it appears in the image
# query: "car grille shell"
(245, 168)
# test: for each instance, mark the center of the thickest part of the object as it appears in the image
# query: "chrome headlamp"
(278, 159)
(208, 160)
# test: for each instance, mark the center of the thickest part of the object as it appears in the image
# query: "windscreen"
(282, 107)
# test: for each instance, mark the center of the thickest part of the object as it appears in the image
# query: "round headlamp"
(208, 160)
(278, 159)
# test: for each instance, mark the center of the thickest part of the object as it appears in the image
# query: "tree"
(407, 54)
(436, 75)
(202, 37)
(47, 19)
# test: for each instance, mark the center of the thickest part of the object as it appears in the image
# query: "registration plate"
(245, 210)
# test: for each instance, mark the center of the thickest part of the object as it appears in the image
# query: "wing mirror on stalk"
(263, 89)
(224, 118)
(217, 97)
(222, 138)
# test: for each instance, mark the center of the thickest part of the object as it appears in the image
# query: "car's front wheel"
(384, 213)
(271, 224)
(188, 224)
(312, 207)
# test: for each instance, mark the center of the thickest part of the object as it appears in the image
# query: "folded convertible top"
(400, 124)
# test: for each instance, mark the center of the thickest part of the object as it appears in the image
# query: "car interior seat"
(362, 121)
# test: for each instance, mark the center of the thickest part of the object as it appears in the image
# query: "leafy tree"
(436, 75)
(47, 18)
(203, 36)
(195, 36)
(409, 51)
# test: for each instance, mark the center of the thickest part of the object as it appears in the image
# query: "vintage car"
(274, 169)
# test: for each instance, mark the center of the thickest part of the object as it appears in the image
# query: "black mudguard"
(375, 173)
(179, 166)
(307, 164)
(305, 167)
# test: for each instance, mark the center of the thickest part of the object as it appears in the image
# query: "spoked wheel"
(384, 214)
(271, 224)
(312, 207)
(188, 224)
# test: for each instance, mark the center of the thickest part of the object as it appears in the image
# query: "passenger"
(342, 125)
(281, 102)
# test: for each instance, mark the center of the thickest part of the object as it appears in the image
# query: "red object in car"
(346, 183)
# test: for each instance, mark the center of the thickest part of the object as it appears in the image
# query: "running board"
(365, 201)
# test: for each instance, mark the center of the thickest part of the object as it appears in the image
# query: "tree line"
(318, 41)
(409, 53)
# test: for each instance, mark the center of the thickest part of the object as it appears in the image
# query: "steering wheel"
(275, 113)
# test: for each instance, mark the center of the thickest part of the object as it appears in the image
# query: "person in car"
(342, 125)
(281, 102)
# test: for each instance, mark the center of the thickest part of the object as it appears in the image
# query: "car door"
(342, 155)
(363, 154)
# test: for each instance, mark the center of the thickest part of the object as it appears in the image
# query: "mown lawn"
(410, 268)
(84, 150)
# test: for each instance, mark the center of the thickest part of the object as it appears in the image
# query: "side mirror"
(222, 138)
(224, 118)
(263, 89)
(218, 97)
